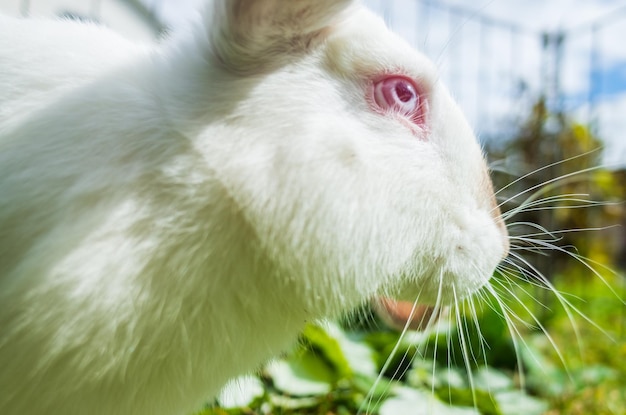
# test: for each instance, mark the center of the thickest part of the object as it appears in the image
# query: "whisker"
(549, 166)
(567, 306)
(582, 198)
(541, 327)
(474, 313)
(534, 282)
(433, 377)
(464, 346)
(588, 204)
(482, 341)
(562, 232)
(514, 332)
(542, 188)
(368, 399)
(586, 263)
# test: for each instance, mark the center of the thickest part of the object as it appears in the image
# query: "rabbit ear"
(249, 34)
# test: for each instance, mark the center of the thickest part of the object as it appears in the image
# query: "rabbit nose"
(496, 214)
(504, 233)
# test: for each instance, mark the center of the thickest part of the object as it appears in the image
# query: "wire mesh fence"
(494, 66)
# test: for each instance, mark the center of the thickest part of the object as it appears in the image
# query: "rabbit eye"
(399, 95)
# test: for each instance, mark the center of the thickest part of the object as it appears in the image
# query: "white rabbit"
(171, 216)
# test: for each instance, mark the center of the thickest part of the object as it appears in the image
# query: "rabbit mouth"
(402, 315)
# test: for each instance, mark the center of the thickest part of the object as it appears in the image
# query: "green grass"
(593, 378)
(579, 369)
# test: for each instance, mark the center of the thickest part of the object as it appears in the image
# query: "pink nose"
(487, 186)
(504, 233)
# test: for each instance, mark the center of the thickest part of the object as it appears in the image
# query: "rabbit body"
(172, 215)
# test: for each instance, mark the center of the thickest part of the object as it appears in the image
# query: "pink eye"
(399, 95)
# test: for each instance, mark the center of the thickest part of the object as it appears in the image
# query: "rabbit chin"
(463, 265)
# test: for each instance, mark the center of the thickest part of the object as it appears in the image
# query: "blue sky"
(611, 80)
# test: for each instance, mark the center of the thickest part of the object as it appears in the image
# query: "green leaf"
(423, 374)
(241, 392)
(491, 380)
(451, 377)
(541, 373)
(414, 402)
(594, 375)
(481, 400)
(287, 402)
(375, 389)
(519, 403)
(355, 353)
(327, 348)
(304, 374)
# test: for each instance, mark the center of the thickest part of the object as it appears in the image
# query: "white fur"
(171, 216)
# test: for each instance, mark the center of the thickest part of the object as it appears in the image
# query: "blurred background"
(497, 56)
(544, 84)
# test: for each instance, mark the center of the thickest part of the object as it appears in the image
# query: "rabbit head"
(347, 156)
